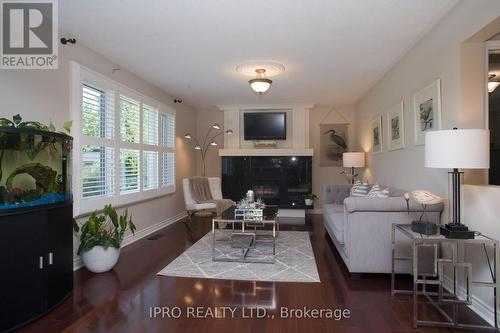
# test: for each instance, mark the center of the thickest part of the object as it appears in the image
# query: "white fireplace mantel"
(296, 144)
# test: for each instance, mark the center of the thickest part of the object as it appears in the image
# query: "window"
(124, 144)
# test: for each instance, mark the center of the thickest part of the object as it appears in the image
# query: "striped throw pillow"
(359, 189)
(377, 192)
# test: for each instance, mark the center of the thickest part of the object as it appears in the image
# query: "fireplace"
(281, 181)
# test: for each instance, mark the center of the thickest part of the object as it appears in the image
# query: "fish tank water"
(34, 168)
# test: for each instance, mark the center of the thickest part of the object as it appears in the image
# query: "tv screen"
(265, 126)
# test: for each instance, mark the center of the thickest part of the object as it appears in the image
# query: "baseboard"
(482, 309)
(129, 239)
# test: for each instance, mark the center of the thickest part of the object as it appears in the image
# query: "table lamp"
(457, 149)
(353, 160)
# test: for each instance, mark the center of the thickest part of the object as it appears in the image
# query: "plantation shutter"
(150, 125)
(150, 169)
(129, 171)
(97, 159)
(168, 145)
(168, 169)
(130, 113)
(124, 145)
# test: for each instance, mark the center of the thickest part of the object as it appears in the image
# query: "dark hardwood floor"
(120, 300)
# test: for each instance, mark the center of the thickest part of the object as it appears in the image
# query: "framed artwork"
(332, 144)
(377, 134)
(427, 111)
(396, 127)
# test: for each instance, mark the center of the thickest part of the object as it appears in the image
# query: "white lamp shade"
(492, 85)
(461, 149)
(356, 160)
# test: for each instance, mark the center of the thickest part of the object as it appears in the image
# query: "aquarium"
(34, 168)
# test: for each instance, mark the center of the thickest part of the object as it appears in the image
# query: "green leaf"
(67, 125)
(111, 212)
(17, 119)
(6, 122)
(106, 229)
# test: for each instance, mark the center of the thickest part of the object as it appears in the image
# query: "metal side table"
(435, 276)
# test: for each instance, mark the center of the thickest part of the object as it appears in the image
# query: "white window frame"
(80, 75)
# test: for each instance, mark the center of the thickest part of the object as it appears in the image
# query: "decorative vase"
(99, 259)
(309, 202)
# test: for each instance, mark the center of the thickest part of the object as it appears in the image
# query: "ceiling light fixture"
(492, 85)
(261, 83)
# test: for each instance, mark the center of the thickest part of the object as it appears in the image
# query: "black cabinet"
(37, 263)
(281, 180)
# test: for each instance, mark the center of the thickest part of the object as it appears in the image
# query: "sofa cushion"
(334, 215)
(359, 189)
(377, 192)
(333, 209)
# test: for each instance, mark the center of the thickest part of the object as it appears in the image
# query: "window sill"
(97, 204)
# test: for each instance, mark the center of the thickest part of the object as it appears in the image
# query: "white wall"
(450, 53)
(481, 213)
(43, 95)
(436, 56)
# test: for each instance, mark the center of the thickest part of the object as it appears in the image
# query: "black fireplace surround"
(281, 181)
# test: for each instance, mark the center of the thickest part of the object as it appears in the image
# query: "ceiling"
(333, 50)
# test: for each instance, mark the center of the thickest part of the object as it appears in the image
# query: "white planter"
(309, 202)
(98, 259)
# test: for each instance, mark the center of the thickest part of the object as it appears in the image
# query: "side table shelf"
(435, 276)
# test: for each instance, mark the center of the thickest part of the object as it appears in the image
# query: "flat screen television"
(264, 125)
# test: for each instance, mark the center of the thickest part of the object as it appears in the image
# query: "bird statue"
(337, 139)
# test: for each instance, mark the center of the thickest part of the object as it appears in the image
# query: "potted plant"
(309, 198)
(101, 237)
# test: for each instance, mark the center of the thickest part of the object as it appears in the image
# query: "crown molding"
(256, 107)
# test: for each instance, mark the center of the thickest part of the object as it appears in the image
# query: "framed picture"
(377, 134)
(427, 111)
(332, 144)
(396, 127)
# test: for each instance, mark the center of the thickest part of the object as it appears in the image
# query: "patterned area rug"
(294, 261)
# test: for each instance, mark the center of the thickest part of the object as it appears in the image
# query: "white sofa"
(360, 227)
(191, 205)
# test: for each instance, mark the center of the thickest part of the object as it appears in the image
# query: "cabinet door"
(60, 253)
(22, 279)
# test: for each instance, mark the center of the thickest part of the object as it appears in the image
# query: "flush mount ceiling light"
(492, 84)
(261, 83)
(264, 69)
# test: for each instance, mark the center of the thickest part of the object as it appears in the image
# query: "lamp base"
(424, 228)
(457, 231)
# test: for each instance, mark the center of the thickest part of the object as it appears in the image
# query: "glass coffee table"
(250, 238)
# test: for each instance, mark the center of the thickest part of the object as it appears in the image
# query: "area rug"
(294, 261)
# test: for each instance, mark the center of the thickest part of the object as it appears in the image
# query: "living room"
(253, 165)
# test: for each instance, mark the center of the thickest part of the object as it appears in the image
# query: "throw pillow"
(377, 192)
(359, 189)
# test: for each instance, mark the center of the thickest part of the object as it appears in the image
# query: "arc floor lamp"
(208, 141)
